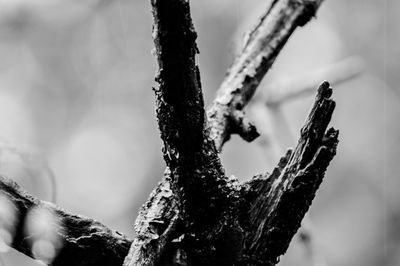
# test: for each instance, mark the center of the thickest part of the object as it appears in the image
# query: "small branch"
(242, 126)
(274, 214)
(86, 242)
(291, 88)
(35, 163)
(264, 43)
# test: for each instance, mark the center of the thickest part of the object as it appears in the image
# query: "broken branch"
(280, 201)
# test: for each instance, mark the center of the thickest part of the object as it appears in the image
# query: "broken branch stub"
(278, 203)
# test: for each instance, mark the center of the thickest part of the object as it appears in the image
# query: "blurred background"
(77, 122)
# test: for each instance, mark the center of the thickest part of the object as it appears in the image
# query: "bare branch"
(264, 43)
(225, 117)
(198, 179)
(199, 194)
(191, 218)
(291, 88)
(180, 107)
(86, 242)
(275, 212)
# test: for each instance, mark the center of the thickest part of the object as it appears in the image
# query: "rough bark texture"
(85, 241)
(276, 205)
(197, 215)
(189, 153)
(203, 194)
(261, 48)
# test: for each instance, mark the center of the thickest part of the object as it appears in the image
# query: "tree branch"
(155, 226)
(198, 179)
(198, 193)
(263, 45)
(288, 89)
(173, 39)
(278, 203)
(191, 218)
(86, 242)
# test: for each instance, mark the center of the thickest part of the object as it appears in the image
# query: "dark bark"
(276, 204)
(85, 241)
(203, 195)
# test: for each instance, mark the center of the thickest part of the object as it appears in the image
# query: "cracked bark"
(197, 215)
(277, 203)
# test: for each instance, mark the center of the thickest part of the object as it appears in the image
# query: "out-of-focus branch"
(268, 105)
(86, 242)
(35, 163)
(307, 237)
(263, 45)
(291, 88)
(278, 203)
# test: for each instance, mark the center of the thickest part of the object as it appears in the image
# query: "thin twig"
(36, 163)
(269, 103)
(283, 90)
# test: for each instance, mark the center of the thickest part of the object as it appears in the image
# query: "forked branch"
(193, 216)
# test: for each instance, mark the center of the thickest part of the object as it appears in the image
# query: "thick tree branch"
(180, 107)
(277, 204)
(198, 191)
(86, 242)
(198, 179)
(261, 48)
